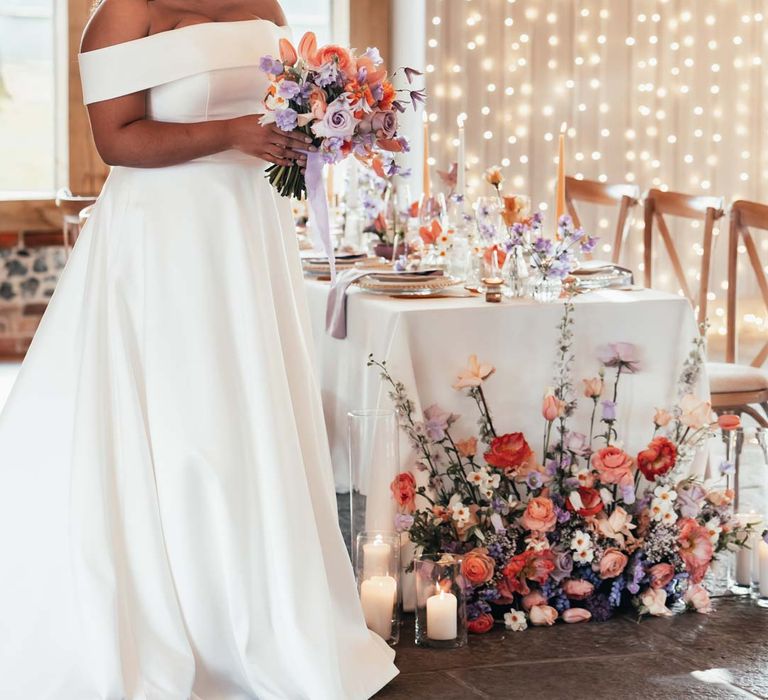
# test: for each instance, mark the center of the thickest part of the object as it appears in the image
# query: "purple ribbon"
(318, 208)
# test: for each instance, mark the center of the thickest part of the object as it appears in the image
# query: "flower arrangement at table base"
(584, 532)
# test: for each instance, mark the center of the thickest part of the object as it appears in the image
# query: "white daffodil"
(659, 509)
(491, 481)
(669, 518)
(665, 493)
(714, 530)
(515, 621)
(606, 496)
(584, 556)
(476, 478)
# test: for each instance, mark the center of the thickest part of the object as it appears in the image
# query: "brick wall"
(30, 265)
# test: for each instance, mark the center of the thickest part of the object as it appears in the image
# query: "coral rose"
(536, 566)
(573, 615)
(533, 598)
(591, 503)
(657, 459)
(577, 589)
(404, 491)
(481, 624)
(661, 575)
(540, 515)
(542, 615)
(508, 452)
(696, 549)
(477, 566)
(614, 466)
(612, 563)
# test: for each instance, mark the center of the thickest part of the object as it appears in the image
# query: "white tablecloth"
(427, 341)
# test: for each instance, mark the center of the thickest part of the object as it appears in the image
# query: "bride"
(167, 516)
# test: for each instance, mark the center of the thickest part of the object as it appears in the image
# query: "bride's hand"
(269, 142)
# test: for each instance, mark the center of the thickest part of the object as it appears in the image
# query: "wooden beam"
(370, 25)
(29, 214)
(87, 172)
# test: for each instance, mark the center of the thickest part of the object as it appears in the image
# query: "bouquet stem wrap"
(318, 208)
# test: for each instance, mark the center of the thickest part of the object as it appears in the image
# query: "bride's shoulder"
(115, 22)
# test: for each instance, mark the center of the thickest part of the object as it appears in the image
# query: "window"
(310, 15)
(30, 134)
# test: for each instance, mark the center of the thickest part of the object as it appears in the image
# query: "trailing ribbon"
(318, 208)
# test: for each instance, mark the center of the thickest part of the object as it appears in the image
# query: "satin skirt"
(168, 526)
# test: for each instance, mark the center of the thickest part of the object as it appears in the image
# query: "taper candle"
(461, 158)
(426, 185)
(560, 198)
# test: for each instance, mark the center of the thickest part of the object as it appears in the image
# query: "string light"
(670, 103)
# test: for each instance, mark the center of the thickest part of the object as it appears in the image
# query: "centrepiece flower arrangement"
(584, 532)
(345, 101)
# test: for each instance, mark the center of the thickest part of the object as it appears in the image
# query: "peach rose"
(539, 515)
(728, 421)
(695, 412)
(614, 466)
(533, 598)
(577, 589)
(697, 597)
(403, 489)
(661, 575)
(467, 448)
(552, 408)
(317, 103)
(593, 388)
(662, 418)
(477, 566)
(573, 615)
(654, 601)
(543, 615)
(338, 55)
(721, 498)
(612, 563)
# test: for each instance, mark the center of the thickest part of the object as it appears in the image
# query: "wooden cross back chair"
(740, 388)
(707, 210)
(626, 196)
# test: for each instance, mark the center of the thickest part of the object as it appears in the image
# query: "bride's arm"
(123, 134)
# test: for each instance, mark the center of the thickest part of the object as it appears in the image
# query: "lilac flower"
(543, 246)
(328, 75)
(378, 92)
(588, 244)
(271, 66)
(563, 515)
(339, 121)
(402, 264)
(534, 481)
(332, 150)
(287, 119)
(411, 73)
(578, 443)
(727, 468)
(550, 467)
(403, 522)
(609, 410)
(690, 497)
(417, 97)
(288, 89)
(436, 422)
(563, 566)
(628, 494)
(636, 575)
(620, 355)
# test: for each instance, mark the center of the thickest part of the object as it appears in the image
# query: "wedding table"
(426, 342)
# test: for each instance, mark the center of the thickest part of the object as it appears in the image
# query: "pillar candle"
(377, 596)
(560, 199)
(353, 193)
(441, 617)
(744, 554)
(376, 558)
(762, 553)
(427, 186)
(461, 159)
(755, 547)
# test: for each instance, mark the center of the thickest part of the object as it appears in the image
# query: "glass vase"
(515, 273)
(441, 610)
(377, 568)
(544, 289)
(488, 220)
(374, 462)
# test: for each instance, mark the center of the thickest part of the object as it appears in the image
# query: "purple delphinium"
(635, 574)
(328, 75)
(271, 65)
(600, 607)
(287, 119)
(288, 89)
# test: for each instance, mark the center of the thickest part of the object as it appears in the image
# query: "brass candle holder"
(493, 287)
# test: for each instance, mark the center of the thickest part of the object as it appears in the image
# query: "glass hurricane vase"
(441, 611)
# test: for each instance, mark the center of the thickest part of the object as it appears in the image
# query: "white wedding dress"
(167, 514)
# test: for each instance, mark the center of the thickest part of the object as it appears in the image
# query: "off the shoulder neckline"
(187, 28)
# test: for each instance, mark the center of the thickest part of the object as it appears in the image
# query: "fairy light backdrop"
(660, 93)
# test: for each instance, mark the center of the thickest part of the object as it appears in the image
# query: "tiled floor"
(722, 655)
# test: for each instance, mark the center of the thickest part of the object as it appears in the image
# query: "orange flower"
(373, 75)
(613, 465)
(308, 49)
(729, 421)
(481, 624)
(539, 515)
(430, 234)
(477, 566)
(389, 94)
(467, 448)
(501, 255)
(552, 408)
(404, 491)
(474, 374)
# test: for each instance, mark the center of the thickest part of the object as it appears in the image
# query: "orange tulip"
(308, 49)
(288, 53)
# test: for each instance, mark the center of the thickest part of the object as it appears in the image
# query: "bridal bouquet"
(590, 528)
(345, 101)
